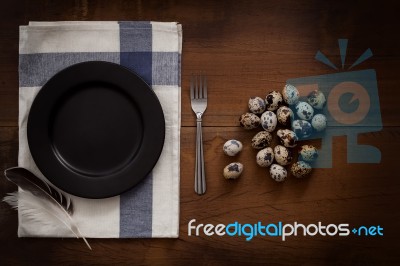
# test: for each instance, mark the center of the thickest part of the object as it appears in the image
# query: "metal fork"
(198, 97)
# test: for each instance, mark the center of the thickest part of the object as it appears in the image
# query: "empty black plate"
(96, 129)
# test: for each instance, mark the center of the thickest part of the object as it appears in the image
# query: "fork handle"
(200, 178)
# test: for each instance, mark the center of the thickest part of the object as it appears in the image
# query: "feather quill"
(40, 201)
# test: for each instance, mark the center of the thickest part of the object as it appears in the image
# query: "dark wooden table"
(246, 48)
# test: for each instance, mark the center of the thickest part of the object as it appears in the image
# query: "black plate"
(96, 129)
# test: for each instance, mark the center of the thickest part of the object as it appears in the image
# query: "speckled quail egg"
(277, 172)
(261, 140)
(304, 111)
(287, 138)
(256, 105)
(269, 121)
(302, 128)
(233, 170)
(300, 169)
(284, 115)
(308, 153)
(249, 121)
(317, 99)
(290, 94)
(273, 100)
(319, 122)
(232, 147)
(265, 157)
(283, 155)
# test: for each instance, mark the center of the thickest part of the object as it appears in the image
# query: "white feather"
(42, 211)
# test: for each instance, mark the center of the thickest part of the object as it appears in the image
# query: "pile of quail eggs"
(281, 110)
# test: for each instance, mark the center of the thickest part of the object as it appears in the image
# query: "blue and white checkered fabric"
(152, 50)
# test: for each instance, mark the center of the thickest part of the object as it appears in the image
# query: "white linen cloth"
(151, 49)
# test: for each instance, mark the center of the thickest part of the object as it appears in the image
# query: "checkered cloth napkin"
(153, 51)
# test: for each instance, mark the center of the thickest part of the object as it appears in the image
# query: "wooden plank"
(244, 56)
(359, 194)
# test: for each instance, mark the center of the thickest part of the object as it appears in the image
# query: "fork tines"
(198, 87)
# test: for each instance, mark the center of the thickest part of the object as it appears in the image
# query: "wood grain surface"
(246, 48)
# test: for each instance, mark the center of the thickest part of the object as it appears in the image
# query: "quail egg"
(232, 147)
(290, 94)
(261, 140)
(269, 121)
(233, 170)
(265, 157)
(300, 169)
(304, 110)
(319, 122)
(287, 138)
(317, 99)
(308, 153)
(283, 155)
(249, 121)
(256, 105)
(273, 100)
(302, 128)
(277, 172)
(284, 115)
